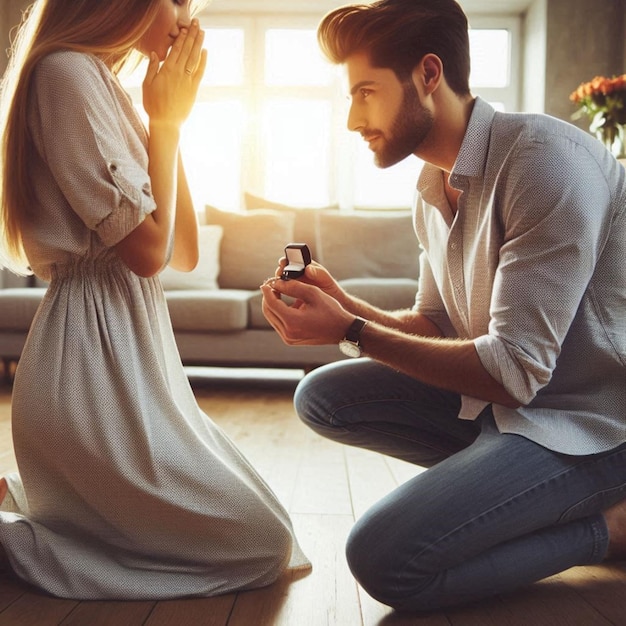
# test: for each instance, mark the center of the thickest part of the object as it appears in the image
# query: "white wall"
(534, 45)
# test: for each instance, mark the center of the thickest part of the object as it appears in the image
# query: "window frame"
(509, 95)
(341, 177)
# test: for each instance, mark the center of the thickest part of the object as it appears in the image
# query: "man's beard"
(410, 127)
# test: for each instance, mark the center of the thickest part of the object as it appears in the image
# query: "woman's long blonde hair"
(109, 30)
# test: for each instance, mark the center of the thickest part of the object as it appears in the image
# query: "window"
(271, 115)
(495, 57)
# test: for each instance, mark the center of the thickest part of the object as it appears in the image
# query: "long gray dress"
(126, 489)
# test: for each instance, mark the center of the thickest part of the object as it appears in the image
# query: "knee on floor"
(380, 566)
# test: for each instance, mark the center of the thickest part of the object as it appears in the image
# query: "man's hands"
(169, 90)
(314, 314)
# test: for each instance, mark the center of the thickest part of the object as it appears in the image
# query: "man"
(507, 378)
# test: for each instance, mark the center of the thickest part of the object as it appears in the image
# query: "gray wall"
(584, 38)
(568, 42)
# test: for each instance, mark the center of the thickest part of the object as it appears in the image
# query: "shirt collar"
(470, 161)
(472, 156)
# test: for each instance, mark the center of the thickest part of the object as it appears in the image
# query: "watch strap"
(353, 334)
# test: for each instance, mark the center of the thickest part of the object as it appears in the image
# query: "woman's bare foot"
(4, 488)
(615, 517)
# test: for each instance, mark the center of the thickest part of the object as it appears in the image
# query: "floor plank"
(98, 613)
(327, 596)
(35, 609)
(603, 587)
(325, 487)
(206, 611)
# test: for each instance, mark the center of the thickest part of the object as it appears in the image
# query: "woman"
(125, 488)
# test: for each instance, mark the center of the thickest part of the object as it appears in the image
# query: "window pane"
(296, 147)
(225, 47)
(211, 147)
(292, 57)
(490, 54)
(392, 187)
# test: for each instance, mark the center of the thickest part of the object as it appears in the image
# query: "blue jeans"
(492, 513)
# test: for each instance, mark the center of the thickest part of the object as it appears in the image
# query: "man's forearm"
(404, 320)
(449, 364)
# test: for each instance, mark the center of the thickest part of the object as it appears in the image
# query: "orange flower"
(599, 86)
(603, 100)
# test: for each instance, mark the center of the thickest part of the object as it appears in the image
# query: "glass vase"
(614, 138)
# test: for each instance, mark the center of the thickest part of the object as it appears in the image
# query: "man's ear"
(428, 74)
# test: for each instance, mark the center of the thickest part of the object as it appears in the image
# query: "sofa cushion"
(389, 294)
(251, 245)
(204, 276)
(208, 310)
(368, 244)
(305, 218)
(18, 306)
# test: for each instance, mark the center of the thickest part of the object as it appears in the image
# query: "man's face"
(387, 112)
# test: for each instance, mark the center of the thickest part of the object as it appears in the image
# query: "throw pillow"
(252, 243)
(368, 244)
(204, 275)
(305, 229)
(257, 202)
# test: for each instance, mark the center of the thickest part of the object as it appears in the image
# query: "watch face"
(349, 348)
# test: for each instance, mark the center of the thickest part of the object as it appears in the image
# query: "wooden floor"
(325, 486)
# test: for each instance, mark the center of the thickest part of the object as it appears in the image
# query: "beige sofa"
(216, 309)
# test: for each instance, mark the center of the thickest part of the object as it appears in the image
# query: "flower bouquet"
(603, 100)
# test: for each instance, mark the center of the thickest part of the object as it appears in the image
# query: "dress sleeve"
(556, 219)
(84, 133)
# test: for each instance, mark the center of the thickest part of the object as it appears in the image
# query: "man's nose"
(355, 121)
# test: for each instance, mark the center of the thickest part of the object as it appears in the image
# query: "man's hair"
(396, 34)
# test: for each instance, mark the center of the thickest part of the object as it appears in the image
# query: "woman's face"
(172, 15)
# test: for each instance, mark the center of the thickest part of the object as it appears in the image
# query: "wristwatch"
(350, 345)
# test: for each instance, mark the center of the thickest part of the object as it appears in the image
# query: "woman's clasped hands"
(170, 88)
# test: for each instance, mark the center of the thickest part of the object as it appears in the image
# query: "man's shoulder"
(540, 128)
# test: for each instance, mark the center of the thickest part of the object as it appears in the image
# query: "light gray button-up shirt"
(532, 267)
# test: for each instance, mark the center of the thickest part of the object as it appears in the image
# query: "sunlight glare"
(292, 57)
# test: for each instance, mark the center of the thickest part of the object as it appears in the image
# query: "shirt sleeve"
(555, 219)
(94, 153)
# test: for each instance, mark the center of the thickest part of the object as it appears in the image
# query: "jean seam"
(421, 443)
(338, 423)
